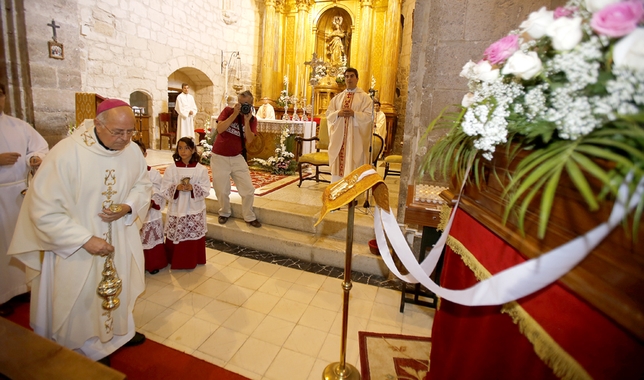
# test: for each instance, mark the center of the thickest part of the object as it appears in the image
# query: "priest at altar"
(266, 110)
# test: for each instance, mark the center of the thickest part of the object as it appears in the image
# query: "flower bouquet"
(206, 144)
(563, 93)
(282, 162)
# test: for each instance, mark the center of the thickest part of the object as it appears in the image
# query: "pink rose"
(564, 12)
(502, 49)
(619, 19)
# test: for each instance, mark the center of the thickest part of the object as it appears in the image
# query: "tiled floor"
(264, 320)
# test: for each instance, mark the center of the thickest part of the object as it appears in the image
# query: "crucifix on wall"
(56, 49)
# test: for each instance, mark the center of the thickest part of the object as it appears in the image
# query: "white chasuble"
(15, 136)
(349, 137)
(59, 215)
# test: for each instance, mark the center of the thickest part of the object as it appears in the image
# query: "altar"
(268, 135)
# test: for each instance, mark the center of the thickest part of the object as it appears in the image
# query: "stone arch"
(204, 77)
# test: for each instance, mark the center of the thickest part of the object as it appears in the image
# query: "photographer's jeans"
(224, 168)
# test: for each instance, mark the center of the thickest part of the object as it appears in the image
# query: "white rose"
(537, 23)
(629, 51)
(483, 71)
(523, 65)
(468, 100)
(565, 32)
(466, 72)
(597, 5)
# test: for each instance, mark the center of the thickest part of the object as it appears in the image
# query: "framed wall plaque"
(56, 50)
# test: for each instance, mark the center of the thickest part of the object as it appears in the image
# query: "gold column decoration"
(300, 38)
(268, 56)
(390, 60)
(364, 55)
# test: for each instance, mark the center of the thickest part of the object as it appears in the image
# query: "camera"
(246, 108)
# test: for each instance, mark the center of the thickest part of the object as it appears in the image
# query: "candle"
(305, 81)
(297, 79)
(288, 69)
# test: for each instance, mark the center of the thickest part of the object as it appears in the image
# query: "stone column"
(268, 56)
(390, 59)
(364, 54)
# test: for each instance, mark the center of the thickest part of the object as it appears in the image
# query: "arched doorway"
(142, 106)
(201, 88)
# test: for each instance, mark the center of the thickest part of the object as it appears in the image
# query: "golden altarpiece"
(364, 34)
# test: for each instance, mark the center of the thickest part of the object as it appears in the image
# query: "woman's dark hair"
(191, 144)
(140, 144)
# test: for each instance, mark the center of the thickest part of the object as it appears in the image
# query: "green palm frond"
(451, 149)
(540, 172)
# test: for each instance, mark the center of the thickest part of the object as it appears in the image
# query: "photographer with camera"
(236, 128)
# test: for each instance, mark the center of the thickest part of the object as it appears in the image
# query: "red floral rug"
(393, 356)
(263, 182)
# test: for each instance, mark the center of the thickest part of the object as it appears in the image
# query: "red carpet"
(149, 360)
(263, 182)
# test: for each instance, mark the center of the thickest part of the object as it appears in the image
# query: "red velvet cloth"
(481, 343)
(186, 254)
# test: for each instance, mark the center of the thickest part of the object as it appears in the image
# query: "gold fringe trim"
(444, 217)
(562, 364)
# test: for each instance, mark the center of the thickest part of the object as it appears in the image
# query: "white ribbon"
(512, 283)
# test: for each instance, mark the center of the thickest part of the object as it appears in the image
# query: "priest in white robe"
(350, 121)
(21, 151)
(90, 184)
(187, 109)
(266, 110)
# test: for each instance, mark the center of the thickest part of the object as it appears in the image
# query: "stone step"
(288, 230)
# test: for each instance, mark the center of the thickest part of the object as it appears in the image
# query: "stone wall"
(446, 35)
(116, 47)
(404, 61)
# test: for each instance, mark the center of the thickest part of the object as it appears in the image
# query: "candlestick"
(297, 79)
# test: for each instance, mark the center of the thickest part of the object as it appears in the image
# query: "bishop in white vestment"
(187, 109)
(67, 215)
(349, 119)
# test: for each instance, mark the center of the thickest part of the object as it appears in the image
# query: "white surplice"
(358, 133)
(381, 125)
(152, 230)
(59, 215)
(15, 136)
(186, 126)
(186, 214)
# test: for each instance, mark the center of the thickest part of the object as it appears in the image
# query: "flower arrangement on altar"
(282, 162)
(206, 144)
(319, 73)
(567, 90)
(284, 98)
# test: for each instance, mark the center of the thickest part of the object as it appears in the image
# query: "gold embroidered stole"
(348, 99)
